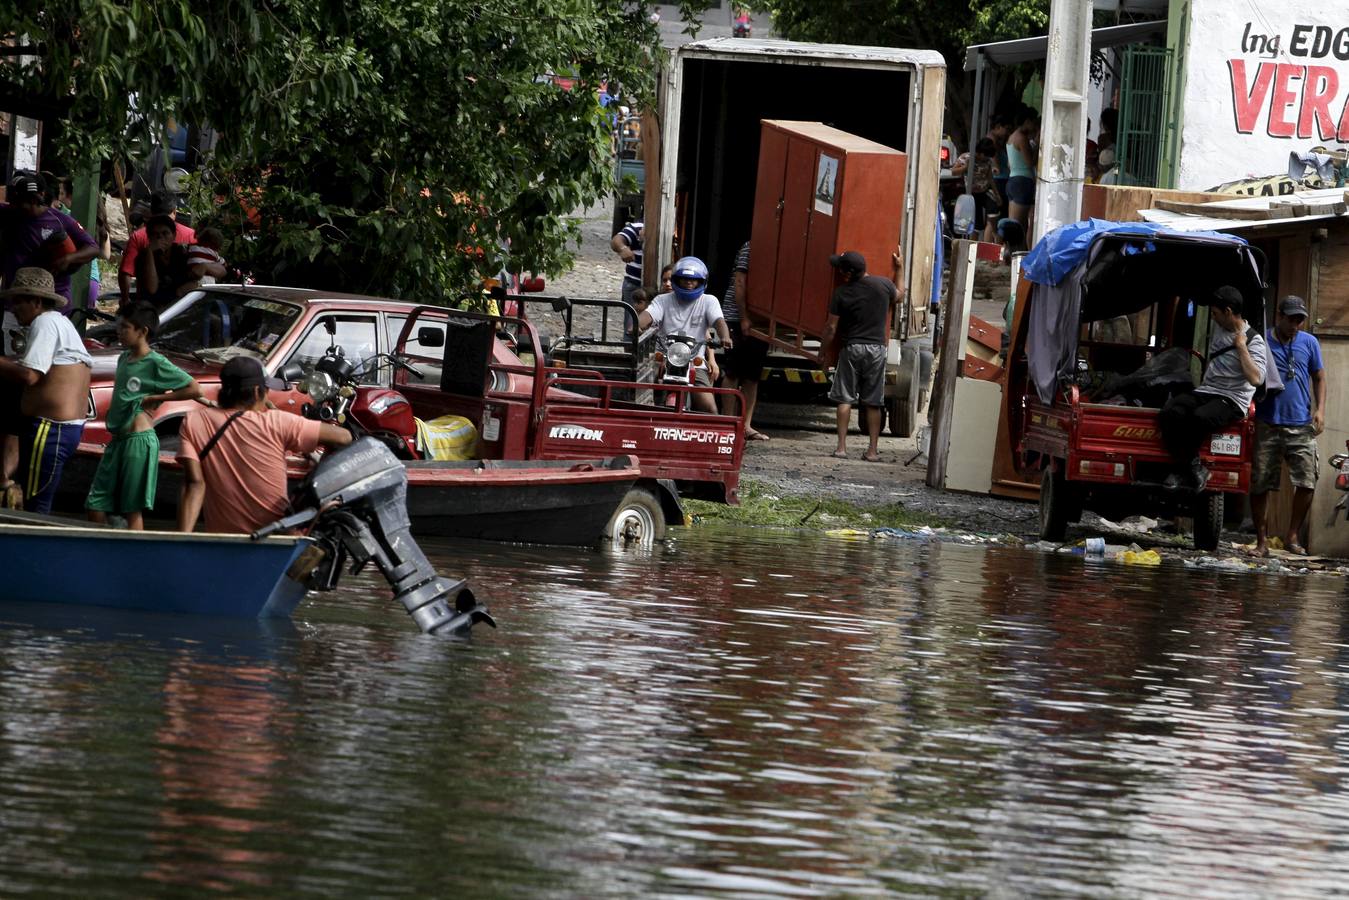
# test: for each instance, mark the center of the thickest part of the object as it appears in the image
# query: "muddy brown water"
(743, 713)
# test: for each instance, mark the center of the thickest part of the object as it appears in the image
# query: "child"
(640, 299)
(204, 262)
(129, 471)
(984, 187)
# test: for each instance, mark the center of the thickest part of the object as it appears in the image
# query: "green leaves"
(398, 147)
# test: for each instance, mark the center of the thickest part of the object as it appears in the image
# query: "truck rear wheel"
(903, 406)
(638, 522)
(1208, 520)
(1057, 504)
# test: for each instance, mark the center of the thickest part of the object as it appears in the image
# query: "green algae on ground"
(761, 505)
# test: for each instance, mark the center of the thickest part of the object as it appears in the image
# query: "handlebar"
(714, 342)
(395, 360)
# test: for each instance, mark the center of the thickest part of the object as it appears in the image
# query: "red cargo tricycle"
(1113, 323)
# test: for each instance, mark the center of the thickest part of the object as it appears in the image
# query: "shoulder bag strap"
(215, 438)
(1250, 333)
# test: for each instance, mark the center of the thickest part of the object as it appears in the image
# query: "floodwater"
(741, 714)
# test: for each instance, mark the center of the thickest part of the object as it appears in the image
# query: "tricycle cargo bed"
(683, 446)
(1123, 445)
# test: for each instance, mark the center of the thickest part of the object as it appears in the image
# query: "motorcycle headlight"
(678, 355)
(319, 385)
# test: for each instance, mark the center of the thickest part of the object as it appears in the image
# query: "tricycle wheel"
(638, 522)
(1056, 504)
(1208, 520)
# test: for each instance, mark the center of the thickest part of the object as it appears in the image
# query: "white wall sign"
(1262, 79)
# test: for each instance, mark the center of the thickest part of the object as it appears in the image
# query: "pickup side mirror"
(430, 336)
(561, 304)
(292, 373)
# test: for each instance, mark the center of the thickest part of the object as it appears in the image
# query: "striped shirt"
(730, 306)
(632, 236)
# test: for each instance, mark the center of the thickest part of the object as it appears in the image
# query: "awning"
(1213, 219)
(1009, 53)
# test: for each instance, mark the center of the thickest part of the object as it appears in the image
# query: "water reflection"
(742, 713)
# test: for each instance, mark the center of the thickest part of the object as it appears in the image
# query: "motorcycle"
(1340, 463)
(336, 395)
(677, 366)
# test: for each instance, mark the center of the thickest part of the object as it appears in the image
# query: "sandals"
(755, 436)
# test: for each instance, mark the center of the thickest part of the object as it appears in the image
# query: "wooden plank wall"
(1326, 538)
(1330, 311)
(1121, 204)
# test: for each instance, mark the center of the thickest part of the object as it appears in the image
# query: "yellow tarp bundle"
(447, 437)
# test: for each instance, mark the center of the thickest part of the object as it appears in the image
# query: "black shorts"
(744, 361)
(12, 421)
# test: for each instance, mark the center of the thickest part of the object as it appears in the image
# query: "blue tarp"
(1060, 251)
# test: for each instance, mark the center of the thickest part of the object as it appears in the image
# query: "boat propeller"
(358, 495)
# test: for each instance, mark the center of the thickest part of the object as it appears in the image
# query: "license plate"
(1226, 444)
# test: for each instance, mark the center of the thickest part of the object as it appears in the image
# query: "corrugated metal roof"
(1009, 53)
(797, 51)
(1215, 221)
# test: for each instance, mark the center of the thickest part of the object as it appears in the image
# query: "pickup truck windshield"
(223, 325)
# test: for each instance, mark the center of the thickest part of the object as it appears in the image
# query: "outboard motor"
(359, 496)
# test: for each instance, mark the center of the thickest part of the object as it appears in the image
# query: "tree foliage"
(948, 26)
(403, 147)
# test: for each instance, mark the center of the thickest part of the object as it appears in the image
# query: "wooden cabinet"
(819, 191)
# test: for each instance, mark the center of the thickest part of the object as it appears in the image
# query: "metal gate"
(1144, 146)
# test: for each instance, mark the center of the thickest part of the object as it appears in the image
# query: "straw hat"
(34, 282)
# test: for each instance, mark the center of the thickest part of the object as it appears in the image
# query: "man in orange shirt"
(234, 455)
(161, 204)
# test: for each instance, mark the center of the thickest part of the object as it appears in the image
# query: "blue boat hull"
(201, 574)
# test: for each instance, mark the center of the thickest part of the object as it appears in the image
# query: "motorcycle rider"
(688, 309)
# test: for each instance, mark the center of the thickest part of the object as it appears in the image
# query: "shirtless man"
(52, 374)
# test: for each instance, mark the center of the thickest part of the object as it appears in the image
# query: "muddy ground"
(796, 459)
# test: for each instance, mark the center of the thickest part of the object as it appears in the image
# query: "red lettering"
(1247, 102)
(1344, 122)
(1315, 121)
(1282, 99)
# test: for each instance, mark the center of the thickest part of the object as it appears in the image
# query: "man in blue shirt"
(1288, 422)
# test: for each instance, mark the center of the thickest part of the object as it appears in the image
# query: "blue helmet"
(689, 267)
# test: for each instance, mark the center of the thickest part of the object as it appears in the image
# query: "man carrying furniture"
(857, 315)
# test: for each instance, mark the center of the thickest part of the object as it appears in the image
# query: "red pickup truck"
(522, 408)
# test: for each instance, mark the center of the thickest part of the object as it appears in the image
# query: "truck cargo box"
(714, 94)
(820, 191)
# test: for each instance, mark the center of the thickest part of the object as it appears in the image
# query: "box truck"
(701, 178)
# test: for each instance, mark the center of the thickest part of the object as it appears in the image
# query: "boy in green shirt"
(129, 471)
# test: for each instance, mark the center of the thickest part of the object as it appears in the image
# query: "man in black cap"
(30, 226)
(234, 455)
(1236, 367)
(1287, 423)
(857, 315)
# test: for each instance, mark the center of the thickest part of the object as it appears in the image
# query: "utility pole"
(1063, 121)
